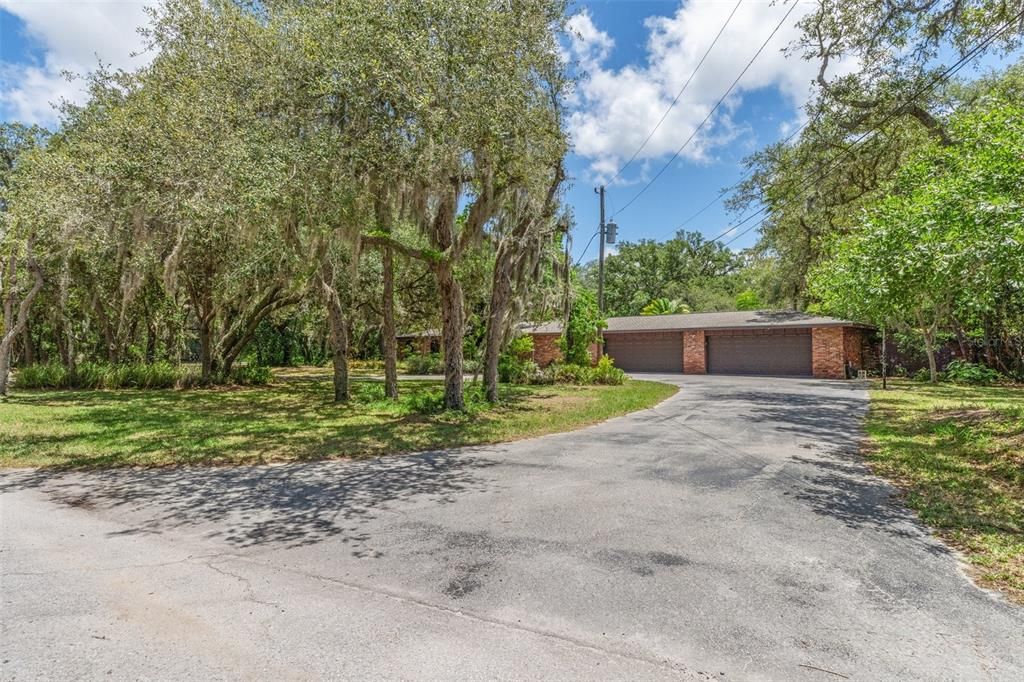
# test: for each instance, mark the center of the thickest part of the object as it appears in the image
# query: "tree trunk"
(929, 350)
(500, 291)
(286, 344)
(339, 352)
(492, 353)
(28, 355)
(961, 340)
(151, 337)
(206, 346)
(453, 320)
(236, 340)
(64, 326)
(338, 329)
(388, 332)
(12, 328)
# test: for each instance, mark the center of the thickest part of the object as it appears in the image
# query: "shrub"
(251, 375)
(607, 373)
(521, 347)
(516, 365)
(513, 371)
(89, 375)
(566, 373)
(431, 401)
(425, 364)
(162, 374)
(584, 328)
(41, 376)
(922, 375)
(963, 372)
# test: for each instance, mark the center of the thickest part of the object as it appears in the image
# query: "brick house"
(419, 343)
(780, 342)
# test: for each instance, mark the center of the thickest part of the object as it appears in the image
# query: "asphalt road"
(729, 533)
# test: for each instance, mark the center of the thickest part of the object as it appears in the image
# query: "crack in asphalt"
(422, 603)
(250, 592)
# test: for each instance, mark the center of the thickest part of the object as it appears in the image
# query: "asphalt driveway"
(729, 533)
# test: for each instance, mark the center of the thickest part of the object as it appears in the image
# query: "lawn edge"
(59, 468)
(902, 487)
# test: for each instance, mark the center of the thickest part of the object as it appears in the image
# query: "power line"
(731, 187)
(806, 124)
(945, 75)
(586, 248)
(678, 95)
(710, 113)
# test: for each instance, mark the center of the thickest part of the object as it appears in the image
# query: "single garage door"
(771, 354)
(646, 352)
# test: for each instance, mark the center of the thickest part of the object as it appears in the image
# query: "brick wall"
(853, 347)
(545, 349)
(828, 353)
(694, 359)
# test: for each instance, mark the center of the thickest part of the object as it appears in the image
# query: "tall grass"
(93, 375)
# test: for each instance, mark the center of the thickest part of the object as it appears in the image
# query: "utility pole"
(600, 258)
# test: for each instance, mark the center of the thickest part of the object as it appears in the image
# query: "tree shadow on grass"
(840, 486)
(247, 506)
(252, 506)
(110, 428)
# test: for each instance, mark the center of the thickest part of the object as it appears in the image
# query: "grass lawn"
(959, 453)
(290, 420)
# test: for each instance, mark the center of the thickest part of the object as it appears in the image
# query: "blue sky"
(632, 56)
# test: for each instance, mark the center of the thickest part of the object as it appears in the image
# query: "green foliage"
(521, 347)
(748, 300)
(583, 328)
(516, 364)
(605, 372)
(251, 375)
(42, 376)
(156, 375)
(947, 243)
(430, 363)
(963, 372)
(665, 306)
(92, 375)
(226, 190)
(921, 376)
(699, 274)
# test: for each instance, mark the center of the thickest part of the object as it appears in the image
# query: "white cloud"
(74, 36)
(616, 109)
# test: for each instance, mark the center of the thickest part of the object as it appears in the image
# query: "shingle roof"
(728, 320)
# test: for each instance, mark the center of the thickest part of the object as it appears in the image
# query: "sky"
(632, 58)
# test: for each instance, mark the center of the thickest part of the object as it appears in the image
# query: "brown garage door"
(646, 352)
(785, 354)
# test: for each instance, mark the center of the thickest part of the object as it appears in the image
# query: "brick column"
(852, 352)
(694, 360)
(827, 353)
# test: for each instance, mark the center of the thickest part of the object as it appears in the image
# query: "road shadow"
(840, 486)
(835, 419)
(250, 506)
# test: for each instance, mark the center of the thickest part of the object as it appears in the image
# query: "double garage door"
(778, 353)
(781, 352)
(646, 352)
